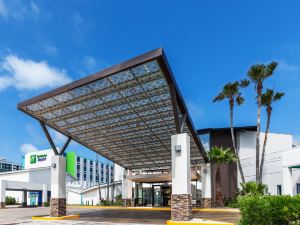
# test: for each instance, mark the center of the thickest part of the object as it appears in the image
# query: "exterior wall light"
(53, 165)
(177, 148)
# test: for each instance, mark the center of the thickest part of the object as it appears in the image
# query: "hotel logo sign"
(38, 158)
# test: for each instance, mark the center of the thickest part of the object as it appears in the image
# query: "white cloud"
(89, 62)
(50, 49)
(26, 148)
(58, 138)
(30, 75)
(16, 9)
(195, 109)
(3, 9)
(289, 70)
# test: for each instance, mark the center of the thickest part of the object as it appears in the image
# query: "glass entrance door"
(157, 195)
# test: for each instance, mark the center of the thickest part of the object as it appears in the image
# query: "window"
(78, 160)
(84, 177)
(91, 177)
(298, 188)
(78, 176)
(279, 191)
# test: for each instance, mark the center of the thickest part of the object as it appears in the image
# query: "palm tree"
(258, 74)
(231, 91)
(220, 156)
(252, 187)
(267, 100)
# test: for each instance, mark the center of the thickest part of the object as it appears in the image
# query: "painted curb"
(204, 222)
(56, 218)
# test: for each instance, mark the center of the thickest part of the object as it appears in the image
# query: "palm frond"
(256, 72)
(239, 100)
(267, 97)
(278, 96)
(220, 156)
(244, 83)
(270, 69)
(219, 97)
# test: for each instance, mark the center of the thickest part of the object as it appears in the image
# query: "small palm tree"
(231, 91)
(252, 187)
(267, 100)
(258, 74)
(220, 156)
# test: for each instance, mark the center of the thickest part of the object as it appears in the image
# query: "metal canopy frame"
(126, 113)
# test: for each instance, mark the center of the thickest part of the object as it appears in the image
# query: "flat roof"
(209, 130)
(126, 113)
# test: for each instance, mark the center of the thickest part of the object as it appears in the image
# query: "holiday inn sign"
(37, 158)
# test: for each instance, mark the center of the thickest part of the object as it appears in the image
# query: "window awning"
(126, 113)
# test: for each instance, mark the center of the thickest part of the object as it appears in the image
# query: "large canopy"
(126, 113)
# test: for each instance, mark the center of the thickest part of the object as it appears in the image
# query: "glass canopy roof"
(126, 113)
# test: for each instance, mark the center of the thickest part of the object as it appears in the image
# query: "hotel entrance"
(153, 194)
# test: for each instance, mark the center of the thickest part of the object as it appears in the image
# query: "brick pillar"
(206, 202)
(181, 207)
(58, 207)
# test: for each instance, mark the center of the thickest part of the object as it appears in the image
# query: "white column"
(181, 166)
(58, 186)
(127, 187)
(2, 193)
(287, 181)
(181, 202)
(58, 177)
(206, 185)
(44, 194)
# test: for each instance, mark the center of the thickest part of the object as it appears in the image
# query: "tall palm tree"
(231, 91)
(258, 74)
(267, 100)
(220, 156)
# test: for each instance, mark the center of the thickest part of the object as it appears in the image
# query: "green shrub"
(252, 187)
(10, 200)
(270, 210)
(46, 204)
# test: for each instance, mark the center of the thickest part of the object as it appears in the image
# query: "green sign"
(32, 159)
(38, 158)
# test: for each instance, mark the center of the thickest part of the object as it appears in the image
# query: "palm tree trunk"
(233, 143)
(269, 111)
(259, 88)
(219, 194)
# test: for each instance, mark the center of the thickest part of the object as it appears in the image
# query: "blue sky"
(208, 43)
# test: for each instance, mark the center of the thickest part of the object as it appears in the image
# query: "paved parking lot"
(95, 216)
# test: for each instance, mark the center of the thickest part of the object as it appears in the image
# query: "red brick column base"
(58, 207)
(181, 207)
(206, 203)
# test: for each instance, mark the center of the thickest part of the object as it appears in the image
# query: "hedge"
(270, 210)
(10, 200)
